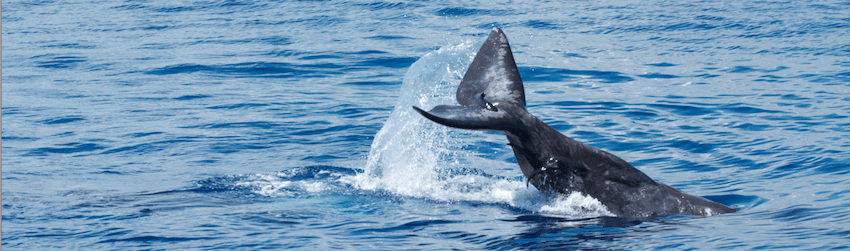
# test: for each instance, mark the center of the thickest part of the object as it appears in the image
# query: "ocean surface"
(244, 125)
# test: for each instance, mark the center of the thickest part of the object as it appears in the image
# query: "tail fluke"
(492, 80)
(468, 117)
(492, 72)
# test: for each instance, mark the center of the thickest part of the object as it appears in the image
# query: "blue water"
(186, 125)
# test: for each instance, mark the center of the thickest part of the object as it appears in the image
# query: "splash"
(411, 156)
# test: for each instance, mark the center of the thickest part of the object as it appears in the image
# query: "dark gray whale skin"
(491, 97)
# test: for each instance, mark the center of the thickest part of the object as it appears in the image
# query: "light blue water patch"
(287, 124)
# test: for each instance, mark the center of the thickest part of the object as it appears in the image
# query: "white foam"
(277, 185)
(266, 185)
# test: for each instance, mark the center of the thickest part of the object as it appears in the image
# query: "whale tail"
(491, 79)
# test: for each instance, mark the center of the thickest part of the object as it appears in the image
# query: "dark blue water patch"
(63, 45)
(473, 238)
(460, 12)
(543, 74)
(699, 25)
(238, 106)
(65, 149)
(679, 97)
(11, 110)
(388, 37)
(254, 69)
(833, 195)
(390, 62)
(215, 6)
(800, 104)
(771, 79)
(351, 111)
(157, 240)
(318, 22)
(375, 6)
(658, 75)
(232, 147)
(320, 56)
(146, 148)
(707, 76)
(684, 110)
(832, 166)
(51, 61)
(409, 226)
(324, 158)
(540, 24)
(551, 233)
(321, 131)
(687, 49)
(678, 165)
(143, 134)
(692, 146)
(206, 161)
(753, 127)
(13, 138)
(842, 78)
(239, 5)
(792, 97)
(158, 46)
(129, 7)
(268, 220)
(744, 109)
(253, 124)
(173, 10)
(787, 118)
(709, 18)
(191, 97)
(806, 163)
(693, 26)
(794, 214)
(109, 172)
(589, 105)
(834, 116)
(289, 70)
(604, 221)
(574, 55)
(372, 83)
(272, 40)
(748, 69)
(159, 27)
(366, 52)
(662, 65)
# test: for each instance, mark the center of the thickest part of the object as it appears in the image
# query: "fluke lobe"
(491, 97)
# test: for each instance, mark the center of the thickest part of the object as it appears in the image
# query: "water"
(287, 124)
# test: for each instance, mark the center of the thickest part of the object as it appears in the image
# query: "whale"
(491, 97)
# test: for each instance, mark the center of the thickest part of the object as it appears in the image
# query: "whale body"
(491, 97)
